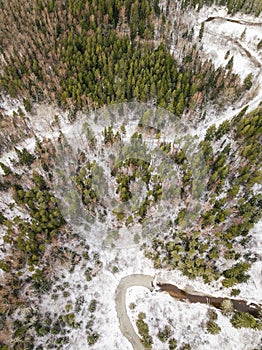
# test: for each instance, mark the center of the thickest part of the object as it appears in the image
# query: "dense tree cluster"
(18, 129)
(225, 223)
(143, 331)
(89, 55)
(34, 242)
(29, 239)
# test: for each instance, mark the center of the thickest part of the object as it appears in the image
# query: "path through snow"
(120, 298)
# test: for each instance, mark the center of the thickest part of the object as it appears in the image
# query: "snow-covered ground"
(222, 35)
(187, 321)
(221, 40)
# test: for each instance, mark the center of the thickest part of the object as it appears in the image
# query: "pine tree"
(230, 63)
(243, 319)
(201, 31)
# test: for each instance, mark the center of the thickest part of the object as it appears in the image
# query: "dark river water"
(239, 305)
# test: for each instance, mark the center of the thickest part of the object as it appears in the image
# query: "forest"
(79, 56)
(89, 54)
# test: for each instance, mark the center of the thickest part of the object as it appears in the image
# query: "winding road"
(126, 326)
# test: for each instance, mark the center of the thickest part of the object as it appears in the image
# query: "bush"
(143, 330)
(248, 81)
(235, 292)
(4, 347)
(213, 327)
(237, 273)
(69, 319)
(230, 63)
(5, 267)
(165, 334)
(27, 104)
(243, 319)
(172, 344)
(229, 282)
(92, 306)
(210, 133)
(227, 307)
(92, 338)
(25, 157)
(212, 315)
(7, 171)
(223, 129)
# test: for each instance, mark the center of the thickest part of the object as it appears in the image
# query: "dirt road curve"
(120, 299)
